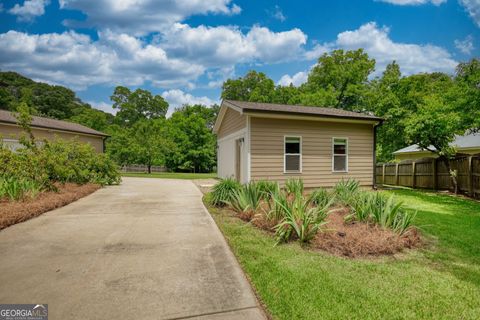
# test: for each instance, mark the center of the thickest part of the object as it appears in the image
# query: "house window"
(293, 154)
(340, 155)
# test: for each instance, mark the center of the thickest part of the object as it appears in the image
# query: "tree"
(93, 118)
(137, 105)
(254, 86)
(467, 92)
(194, 143)
(433, 128)
(342, 75)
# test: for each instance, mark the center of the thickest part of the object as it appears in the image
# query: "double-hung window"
(292, 154)
(340, 155)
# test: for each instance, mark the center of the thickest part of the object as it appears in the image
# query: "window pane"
(292, 145)
(292, 163)
(340, 149)
(339, 163)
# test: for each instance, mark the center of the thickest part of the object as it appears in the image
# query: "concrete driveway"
(146, 249)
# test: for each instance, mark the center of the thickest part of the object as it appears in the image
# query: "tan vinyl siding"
(232, 121)
(267, 150)
(8, 131)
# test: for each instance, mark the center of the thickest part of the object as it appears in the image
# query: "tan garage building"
(262, 141)
(45, 128)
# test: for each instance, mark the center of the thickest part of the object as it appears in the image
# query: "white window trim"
(285, 154)
(346, 155)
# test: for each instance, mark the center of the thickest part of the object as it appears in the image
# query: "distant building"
(45, 128)
(468, 144)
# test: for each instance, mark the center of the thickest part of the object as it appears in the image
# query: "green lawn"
(171, 175)
(441, 281)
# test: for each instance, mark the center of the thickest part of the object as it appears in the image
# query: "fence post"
(414, 172)
(470, 176)
(396, 174)
(383, 174)
(434, 174)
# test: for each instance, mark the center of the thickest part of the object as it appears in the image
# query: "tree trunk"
(149, 166)
(452, 173)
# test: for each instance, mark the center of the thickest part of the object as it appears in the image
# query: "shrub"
(294, 187)
(268, 188)
(346, 191)
(276, 212)
(300, 220)
(321, 197)
(223, 191)
(381, 210)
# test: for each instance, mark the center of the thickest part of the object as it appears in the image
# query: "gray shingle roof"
(47, 123)
(471, 140)
(302, 110)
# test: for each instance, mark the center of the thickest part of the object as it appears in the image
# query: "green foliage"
(194, 144)
(59, 161)
(300, 219)
(268, 188)
(294, 186)
(382, 210)
(224, 191)
(15, 189)
(321, 197)
(254, 86)
(346, 190)
(137, 105)
(247, 199)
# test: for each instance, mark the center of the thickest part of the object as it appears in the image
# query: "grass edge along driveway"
(440, 281)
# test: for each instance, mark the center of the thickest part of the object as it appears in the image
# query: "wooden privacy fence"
(431, 173)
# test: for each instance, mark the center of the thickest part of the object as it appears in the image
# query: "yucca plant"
(382, 210)
(267, 188)
(276, 206)
(247, 198)
(321, 197)
(300, 220)
(223, 191)
(294, 186)
(346, 190)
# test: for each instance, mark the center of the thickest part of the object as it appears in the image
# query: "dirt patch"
(357, 239)
(12, 212)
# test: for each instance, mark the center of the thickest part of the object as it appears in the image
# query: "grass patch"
(170, 175)
(439, 282)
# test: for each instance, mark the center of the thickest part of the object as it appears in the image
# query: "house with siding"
(263, 141)
(48, 129)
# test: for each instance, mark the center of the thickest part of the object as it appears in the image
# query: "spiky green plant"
(267, 188)
(294, 186)
(14, 188)
(321, 197)
(379, 209)
(223, 191)
(300, 220)
(346, 191)
(247, 198)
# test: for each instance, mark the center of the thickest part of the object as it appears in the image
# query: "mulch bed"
(358, 239)
(352, 239)
(12, 212)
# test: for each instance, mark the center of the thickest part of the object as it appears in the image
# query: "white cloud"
(29, 10)
(278, 14)
(226, 45)
(414, 2)
(473, 9)
(104, 106)
(412, 58)
(143, 16)
(297, 79)
(465, 45)
(177, 98)
(317, 51)
(78, 61)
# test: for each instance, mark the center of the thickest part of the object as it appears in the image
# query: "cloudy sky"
(185, 49)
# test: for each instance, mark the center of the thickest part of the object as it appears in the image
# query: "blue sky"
(185, 49)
